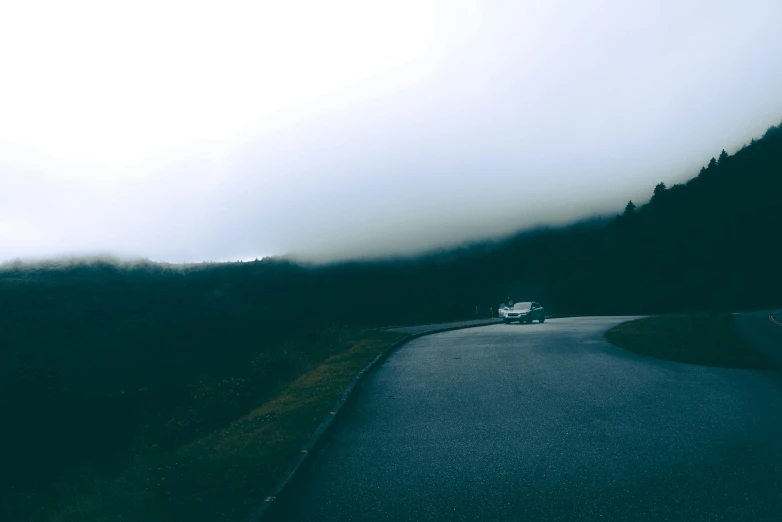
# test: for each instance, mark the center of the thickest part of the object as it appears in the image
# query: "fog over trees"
(103, 353)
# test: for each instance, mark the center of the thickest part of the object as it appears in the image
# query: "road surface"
(547, 422)
(441, 326)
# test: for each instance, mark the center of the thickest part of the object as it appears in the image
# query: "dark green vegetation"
(104, 366)
(200, 436)
(706, 339)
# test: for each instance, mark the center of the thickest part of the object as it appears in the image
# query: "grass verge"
(225, 474)
(705, 339)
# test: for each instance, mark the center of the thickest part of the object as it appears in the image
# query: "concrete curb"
(317, 438)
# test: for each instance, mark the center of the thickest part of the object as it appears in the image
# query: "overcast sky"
(190, 131)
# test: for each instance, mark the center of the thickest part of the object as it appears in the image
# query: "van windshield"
(522, 306)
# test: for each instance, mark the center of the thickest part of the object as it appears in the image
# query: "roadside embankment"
(705, 339)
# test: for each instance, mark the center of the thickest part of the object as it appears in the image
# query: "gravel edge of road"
(317, 438)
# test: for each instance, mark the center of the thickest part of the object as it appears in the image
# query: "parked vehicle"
(525, 312)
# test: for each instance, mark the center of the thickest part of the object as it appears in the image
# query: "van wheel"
(542, 319)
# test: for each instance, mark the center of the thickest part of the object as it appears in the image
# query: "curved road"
(547, 422)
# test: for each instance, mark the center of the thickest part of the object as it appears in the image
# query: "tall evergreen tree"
(722, 158)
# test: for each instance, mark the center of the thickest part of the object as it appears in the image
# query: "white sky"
(188, 131)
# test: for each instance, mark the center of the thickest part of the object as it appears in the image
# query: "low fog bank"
(543, 119)
(366, 200)
(415, 240)
(98, 261)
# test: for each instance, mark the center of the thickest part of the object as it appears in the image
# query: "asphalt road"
(421, 328)
(547, 422)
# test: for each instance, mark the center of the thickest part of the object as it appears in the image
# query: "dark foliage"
(704, 339)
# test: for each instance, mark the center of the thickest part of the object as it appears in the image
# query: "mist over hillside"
(101, 359)
(714, 229)
(404, 127)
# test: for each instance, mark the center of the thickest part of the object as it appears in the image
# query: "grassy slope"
(705, 339)
(224, 475)
(109, 369)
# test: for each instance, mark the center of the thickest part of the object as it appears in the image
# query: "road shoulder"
(761, 330)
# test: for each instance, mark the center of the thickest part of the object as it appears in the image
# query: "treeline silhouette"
(98, 357)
